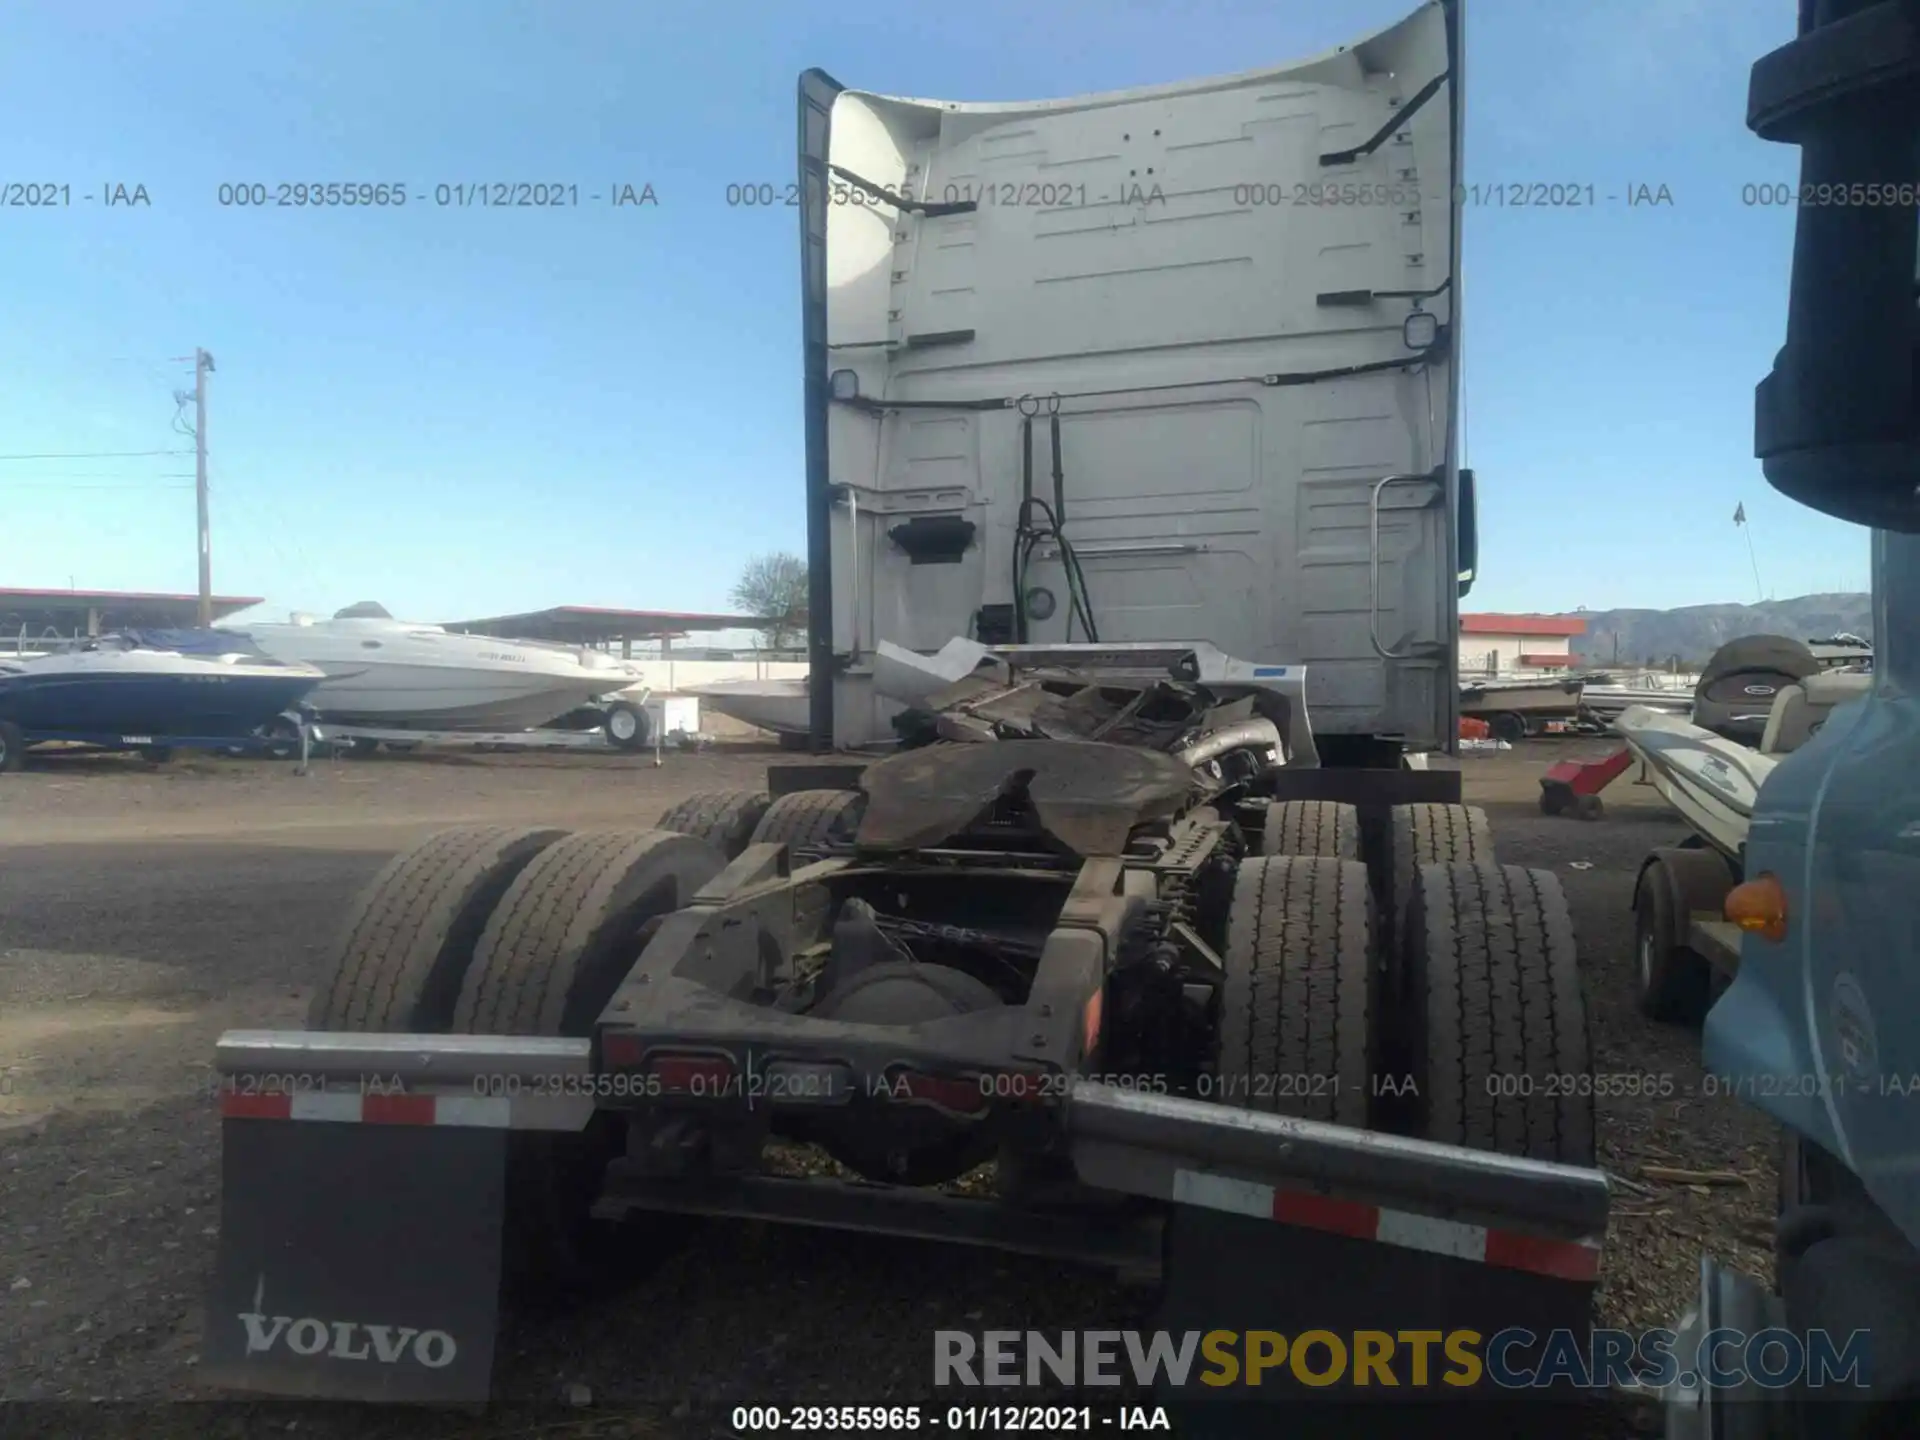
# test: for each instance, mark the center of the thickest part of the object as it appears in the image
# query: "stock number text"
(1857, 194)
(1574, 1083)
(1326, 193)
(322, 196)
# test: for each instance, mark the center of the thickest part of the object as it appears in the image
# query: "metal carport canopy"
(41, 610)
(593, 624)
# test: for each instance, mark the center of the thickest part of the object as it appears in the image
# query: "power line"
(97, 455)
(80, 362)
(61, 485)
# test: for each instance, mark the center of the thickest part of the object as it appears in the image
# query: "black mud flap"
(1242, 1274)
(357, 1262)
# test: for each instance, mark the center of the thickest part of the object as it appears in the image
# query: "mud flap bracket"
(357, 1261)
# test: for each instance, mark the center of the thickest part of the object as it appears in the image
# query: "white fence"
(669, 677)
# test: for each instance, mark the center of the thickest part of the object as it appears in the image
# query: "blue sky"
(466, 411)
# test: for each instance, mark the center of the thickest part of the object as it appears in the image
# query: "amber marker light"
(1759, 907)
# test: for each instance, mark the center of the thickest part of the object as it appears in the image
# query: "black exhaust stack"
(1837, 423)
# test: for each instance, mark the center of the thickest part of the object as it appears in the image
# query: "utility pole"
(202, 368)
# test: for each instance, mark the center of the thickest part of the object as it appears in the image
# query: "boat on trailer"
(150, 690)
(403, 675)
(1518, 706)
(1759, 698)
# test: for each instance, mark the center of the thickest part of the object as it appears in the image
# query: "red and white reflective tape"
(1577, 1260)
(356, 1108)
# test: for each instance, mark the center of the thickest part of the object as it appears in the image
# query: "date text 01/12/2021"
(1006, 195)
(829, 1083)
(446, 195)
(955, 1419)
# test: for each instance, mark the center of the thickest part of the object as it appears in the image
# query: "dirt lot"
(143, 911)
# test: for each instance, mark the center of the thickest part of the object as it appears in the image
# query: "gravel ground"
(142, 911)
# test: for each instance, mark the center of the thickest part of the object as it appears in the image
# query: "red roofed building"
(1493, 644)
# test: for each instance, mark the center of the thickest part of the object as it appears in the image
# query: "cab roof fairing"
(882, 138)
(1343, 65)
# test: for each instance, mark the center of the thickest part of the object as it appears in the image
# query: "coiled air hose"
(1028, 536)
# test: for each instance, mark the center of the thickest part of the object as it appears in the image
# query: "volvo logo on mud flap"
(349, 1340)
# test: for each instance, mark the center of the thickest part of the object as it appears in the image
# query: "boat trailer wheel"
(627, 727)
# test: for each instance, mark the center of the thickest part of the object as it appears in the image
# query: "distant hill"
(1693, 632)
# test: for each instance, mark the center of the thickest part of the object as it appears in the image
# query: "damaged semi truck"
(1137, 534)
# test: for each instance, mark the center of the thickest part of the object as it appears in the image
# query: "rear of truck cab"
(1181, 360)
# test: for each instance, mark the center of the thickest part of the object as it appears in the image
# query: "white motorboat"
(399, 674)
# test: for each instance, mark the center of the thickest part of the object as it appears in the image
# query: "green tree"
(774, 589)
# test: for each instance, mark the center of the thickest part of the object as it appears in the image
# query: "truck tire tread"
(807, 818)
(725, 819)
(1432, 835)
(1311, 827)
(1295, 1012)
(412, 937)
(556, 949)
(550, 937)
(1496, 984)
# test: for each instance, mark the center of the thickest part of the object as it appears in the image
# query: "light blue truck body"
(1822, 1030)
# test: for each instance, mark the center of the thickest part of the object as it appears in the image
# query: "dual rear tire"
(1311, 827)
(1463, 1022)
(530, 931)
(522, 931)
(731, 820)
(1297, 1009)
